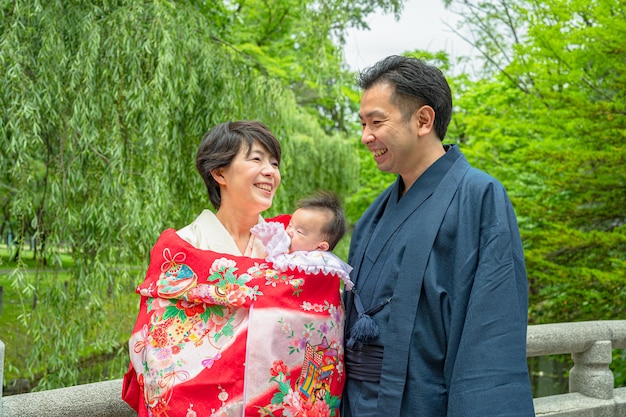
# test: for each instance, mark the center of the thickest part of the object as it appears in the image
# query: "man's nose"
(367, 136)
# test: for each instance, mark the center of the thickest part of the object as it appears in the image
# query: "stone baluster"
(591, 375)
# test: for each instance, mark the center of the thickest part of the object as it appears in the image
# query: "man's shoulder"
(477, 178)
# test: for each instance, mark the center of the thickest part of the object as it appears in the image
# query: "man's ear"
(425, 117)
(323, 246)
(218, 177)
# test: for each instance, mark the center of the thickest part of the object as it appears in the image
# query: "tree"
(104, 104)
(300, 43)
(551, 123)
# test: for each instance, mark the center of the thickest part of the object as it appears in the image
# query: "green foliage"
(372, 182)
(550, 124)
(21, 287)
(299, 42)
(314, 160)
(104, 104)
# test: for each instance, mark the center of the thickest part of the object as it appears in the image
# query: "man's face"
(389, 137)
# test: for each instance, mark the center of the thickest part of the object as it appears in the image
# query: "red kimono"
(222, 335)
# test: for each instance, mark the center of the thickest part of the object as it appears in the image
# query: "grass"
(99, 361)
(13, 330)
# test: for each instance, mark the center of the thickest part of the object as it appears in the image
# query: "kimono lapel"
(398, 211)
(409, 282)
(378, 229)
(208, 233)
(364, 229)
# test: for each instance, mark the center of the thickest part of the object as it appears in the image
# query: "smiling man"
(436, 322)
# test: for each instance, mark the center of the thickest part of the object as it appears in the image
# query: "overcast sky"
(421, 27)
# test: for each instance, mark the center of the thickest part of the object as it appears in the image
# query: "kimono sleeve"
(490, 375)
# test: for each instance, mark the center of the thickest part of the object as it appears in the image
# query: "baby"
(315, 228)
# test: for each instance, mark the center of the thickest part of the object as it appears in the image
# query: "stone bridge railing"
(591, 382)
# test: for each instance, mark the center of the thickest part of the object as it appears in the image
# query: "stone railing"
(591, 382)
(592, 392)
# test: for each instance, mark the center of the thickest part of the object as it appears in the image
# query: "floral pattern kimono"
(225, 335)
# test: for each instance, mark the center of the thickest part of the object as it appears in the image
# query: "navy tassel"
(364, 329)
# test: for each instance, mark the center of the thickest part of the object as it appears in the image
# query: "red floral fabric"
(221, 335)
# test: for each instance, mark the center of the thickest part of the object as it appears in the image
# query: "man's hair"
(416, 84)
(221, 144)
(327, 201)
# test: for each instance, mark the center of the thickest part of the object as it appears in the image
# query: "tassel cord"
(364, 328)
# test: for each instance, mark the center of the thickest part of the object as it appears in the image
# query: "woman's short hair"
(221, 144)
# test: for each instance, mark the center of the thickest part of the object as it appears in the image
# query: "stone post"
(591, 375)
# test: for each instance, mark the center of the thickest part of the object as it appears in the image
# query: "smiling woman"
(197, 346)
(232, 158)
(239, 163)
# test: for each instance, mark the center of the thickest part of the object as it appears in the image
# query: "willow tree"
(103, 107)
(300, 42)
(550, 120)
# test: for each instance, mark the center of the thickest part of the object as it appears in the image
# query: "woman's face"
(250, 181)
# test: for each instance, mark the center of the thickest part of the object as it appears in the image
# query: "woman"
(219, 332)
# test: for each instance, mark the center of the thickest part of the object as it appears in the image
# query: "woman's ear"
(218, 177)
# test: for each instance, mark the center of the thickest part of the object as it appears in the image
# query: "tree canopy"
(548, 118)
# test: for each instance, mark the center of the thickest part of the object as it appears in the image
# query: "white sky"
(421, 26)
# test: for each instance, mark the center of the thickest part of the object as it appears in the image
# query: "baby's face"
(305, 230)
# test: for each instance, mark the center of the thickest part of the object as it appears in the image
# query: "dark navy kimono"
(448, 255)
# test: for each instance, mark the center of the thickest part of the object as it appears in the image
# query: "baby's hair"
(327, 201)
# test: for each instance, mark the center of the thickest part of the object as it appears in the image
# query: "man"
(436, 322)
